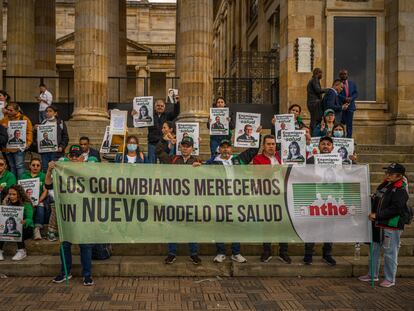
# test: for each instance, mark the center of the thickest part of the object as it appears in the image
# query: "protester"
(87, 150)
(15, 156)
(155, 132)
(388, 216)
(45, 100)
(325, 146)
(7, 179)
(169, 138)
(17, 197)
(331, 100)
(325, 128)
(51, 117)
(132, 153)
(187, 144)
(314, 97)
(270, 156)
(5, 100)
(216, 139)
(40, 209)
(347, 97)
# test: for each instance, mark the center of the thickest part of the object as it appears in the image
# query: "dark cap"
(328, 111)
(395, 168)
(326, 138)
(225, 142)
(187, 141)
(75, 151)
(53, 107)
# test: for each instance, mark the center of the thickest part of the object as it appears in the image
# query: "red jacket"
(262, 159)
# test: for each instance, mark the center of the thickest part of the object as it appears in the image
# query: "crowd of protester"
(330, 116)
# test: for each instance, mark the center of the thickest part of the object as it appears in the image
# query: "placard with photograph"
(106, 141)
(284, 122)
(144, 106)
(47, 138)
(32, 188)
(293, 148)
(246, 134)
(188, 129)
(219, 121)
(344, 147)
(11, 227)
(17, 134)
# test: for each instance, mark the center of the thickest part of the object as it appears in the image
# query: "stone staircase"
(147, 259)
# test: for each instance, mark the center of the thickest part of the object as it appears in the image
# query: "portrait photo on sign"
(293, 147)
(283, 122)
(188, 129)
(47, 138)
(219, 121)
(344, 147)
(106, 141)
(31, 188)
(246, 134)
(11, 226)
(144, 106)
(17, 134)
(172, 96)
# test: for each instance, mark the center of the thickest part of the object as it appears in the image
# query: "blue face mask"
(132, 147)
(338, 134)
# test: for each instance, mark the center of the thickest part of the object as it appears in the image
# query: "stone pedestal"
(91, 60)
(195, 52)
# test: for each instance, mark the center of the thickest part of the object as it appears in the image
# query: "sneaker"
(265, 257)
(238, 258)
(329, 260)
(307, 259)
(219, 258)
(20, 254)
(170, 259)
(87, 281)
(61, 278)
(367, 278)
(51, 236)
(386, 283)
(36, 234)
(195, 259)
(285, 258)
(1, 256)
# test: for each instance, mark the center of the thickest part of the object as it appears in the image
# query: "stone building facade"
(373, 39)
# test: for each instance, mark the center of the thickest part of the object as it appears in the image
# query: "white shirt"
(273, 160)
(47, 96)
(131, 159)
(225, 162)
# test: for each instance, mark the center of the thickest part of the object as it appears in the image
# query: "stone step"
(131, 266)
(378, 177)
(378, 149)
(151, 249)
(378, 167)
(386, 158)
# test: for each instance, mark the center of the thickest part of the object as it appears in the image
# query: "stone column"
(195, 49)
(1, 45)
(123, 48)
(45, 41)
(20, 48)
(113, 49)
(91, 60)
(142, 72)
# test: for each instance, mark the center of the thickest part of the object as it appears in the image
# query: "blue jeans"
(214, 143)
(42, 116)
(152, 156)
(390, 242)
(40, 216)
(47, 157)
(16, 162)
(172, 249)
(85, 256)
(347, 119)
(235, 248)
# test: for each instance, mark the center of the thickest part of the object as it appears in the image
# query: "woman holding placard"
(132, 154)
(17, 197)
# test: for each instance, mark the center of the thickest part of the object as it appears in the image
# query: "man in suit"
(87, 151)
(315, 92)
(248, 134)
(16, 140)
(46, 142)
(331, 100)
(217, 125)
(347, 98)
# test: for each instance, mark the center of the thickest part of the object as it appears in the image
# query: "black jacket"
(162, 152)
(155, 131)
(314, 90)
(94, 153)
(3, 136)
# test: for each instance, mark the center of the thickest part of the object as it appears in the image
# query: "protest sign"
(106, 141)
(145, 111)
(330, 159)
(314, 145)
(17, 134)
(11, 228)
(118, 124)
(109, 203)
(2, 105)
(32, 188)
(47, 138)
(344, 147)
(219, 121)
(284, 122)
(188, 129)
(246, 130)
(293, 148)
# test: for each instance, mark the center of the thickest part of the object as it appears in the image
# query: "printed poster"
(188, 129)
(32, 188)
(107, 141)
(11, 228)
(328, 159)
(47, 138)
(118, 124)
(144, 106)
(314, 145)
(284, 122)
(344, 147)
(293, 148)
(17, 134)
(246, 134)
(2, 106)
(219, 121)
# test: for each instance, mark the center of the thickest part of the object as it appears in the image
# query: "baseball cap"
(75, 151)
(187, 141)
(328, 111)
(395, 168)
(326, 138)
(225, 142)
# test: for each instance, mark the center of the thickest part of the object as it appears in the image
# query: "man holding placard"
(247, 130)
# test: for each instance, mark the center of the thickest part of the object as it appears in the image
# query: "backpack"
(101, 251)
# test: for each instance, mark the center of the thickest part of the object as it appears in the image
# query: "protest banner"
(314, 145)
(344, 147)
(328, 159)
(144, 106)
(284, 122)
(2, 105)
(153, 203)
(118, 124)
(246, 130)
(190, 129)
(32, 188)
(11, 228)
(293, 148)
(47, 138)
(17, 134)
(106, 141)
(219, 121)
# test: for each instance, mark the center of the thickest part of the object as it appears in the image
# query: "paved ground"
(204, 294)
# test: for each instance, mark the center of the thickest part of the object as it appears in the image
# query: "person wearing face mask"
(325, 128)
(4, 101)
(132, 154)
(339, 132)
(62, 135)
